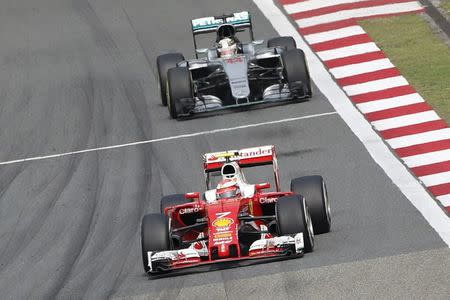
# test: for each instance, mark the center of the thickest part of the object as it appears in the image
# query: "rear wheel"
(172, 200)
(154, 236)
(314, 189)
(286, 42)
(296, 71)
(179, 86)
(293, 217)
(164, 63)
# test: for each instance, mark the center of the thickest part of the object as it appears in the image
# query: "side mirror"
(262, 186)
(258, 42)
(201, 50)
(194, 195)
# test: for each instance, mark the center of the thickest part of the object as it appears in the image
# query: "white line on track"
(378, 150)
(358, 13)
(169, 138)
(315, 4)
(427, 158)
(330, 35)
(419, 138)
(406, 120)
(445, 200)
(348, 51)
(361, 68)
(436, 179)
(375, 85)
(387, 103)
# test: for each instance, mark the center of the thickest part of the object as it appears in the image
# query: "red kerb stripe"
(341, 7)
(423, 148)
(440, 189)
(327, 26)
(370, 76)
(432, 168)
(343, 42)
(354, 59)
(413, 129)
(398, 111)
(388, 93)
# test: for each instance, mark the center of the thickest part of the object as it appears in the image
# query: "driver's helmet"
(227, 188)
(227, 47)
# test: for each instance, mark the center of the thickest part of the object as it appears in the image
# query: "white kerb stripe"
(436, 179)
(388, 103)
(419, 138)
(427, 158)
(406, 120)
(330, 35)
(375, 85)
(348, 51)
(444, 199)
(361, 68)
(314, 4)
(358, 13)
(377, 149)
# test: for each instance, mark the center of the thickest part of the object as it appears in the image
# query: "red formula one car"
(236, 220)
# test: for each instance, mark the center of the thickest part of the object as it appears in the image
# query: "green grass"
(445, 5)
(420, 55)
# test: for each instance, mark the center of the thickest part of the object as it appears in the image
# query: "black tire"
(293, 217)
(296, 70)
(314, 189)
(172, 200)
(179, 86)
(164, 63)
(286, 42)
(154, 236)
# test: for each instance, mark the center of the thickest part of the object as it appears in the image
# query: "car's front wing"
(271, 248)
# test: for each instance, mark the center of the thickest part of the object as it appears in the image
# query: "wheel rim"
(327, 202)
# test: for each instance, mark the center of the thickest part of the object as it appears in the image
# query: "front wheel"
(286, 42)
(154, 236)
(293, 217)
(165, 62)
(295, 71)
(179, 86)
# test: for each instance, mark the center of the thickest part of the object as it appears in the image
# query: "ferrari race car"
(235, 220)
(232, 73)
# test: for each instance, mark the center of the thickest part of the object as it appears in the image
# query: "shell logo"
(223, 222)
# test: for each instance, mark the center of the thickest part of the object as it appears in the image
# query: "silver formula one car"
(232, 73)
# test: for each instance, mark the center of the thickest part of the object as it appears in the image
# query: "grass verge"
(420, 55)
(445, 5)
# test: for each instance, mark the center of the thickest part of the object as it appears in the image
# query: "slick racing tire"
(286, 42)
(154, 236)
(314, 189)
(179, 86)
(164, 63)
(293, 217)
(172, 200)
(296, 70)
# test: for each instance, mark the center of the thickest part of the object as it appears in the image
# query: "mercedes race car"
(235, 220)
(232, 73)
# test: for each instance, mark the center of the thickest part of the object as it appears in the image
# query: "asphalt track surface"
(81, 74)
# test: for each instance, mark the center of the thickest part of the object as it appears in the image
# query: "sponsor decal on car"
(222, 222)
(267, 200)
(189, 210)
(256, 152)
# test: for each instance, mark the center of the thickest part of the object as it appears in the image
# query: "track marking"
(436, 179)
(378, 105)
(348, 51)
(375, 85)
(419, 138)
(361, 68)
(445, 200)
(413, 190)
(405, 120)
(169, 138)
(427, 158)
(334, 34)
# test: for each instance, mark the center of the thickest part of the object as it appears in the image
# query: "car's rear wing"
(210, 24)
(240, 20)
(248, 157)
